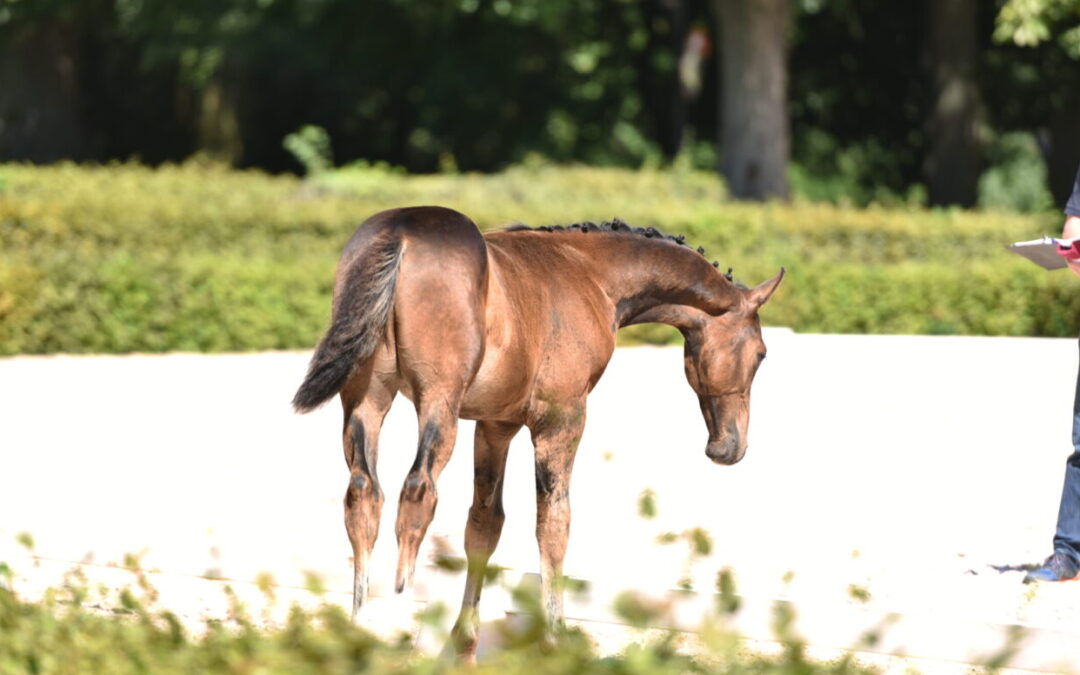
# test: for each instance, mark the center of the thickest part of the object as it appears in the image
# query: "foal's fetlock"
(410, 534)
(464, 638)
(406, 566)
(360, 586)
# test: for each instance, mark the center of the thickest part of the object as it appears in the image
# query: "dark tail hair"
(359, 320)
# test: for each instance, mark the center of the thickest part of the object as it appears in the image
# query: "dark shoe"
(1058, 567)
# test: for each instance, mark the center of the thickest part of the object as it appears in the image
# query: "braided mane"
(619, 226)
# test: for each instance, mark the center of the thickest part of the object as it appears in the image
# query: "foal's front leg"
(556, 446)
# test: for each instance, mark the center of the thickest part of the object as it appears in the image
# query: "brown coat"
(511, 329)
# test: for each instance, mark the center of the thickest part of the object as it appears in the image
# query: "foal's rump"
(425, 269)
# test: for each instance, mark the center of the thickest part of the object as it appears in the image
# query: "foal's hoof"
(451, 653)
(463, 641)
(404, 577)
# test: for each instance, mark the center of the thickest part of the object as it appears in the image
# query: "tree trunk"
(755, 135)
(662, 96)
(1064, 151)
(39, 95)
(952, 162)
(673, 119)
(219, 125)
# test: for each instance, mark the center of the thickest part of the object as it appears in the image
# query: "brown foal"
(511, 329)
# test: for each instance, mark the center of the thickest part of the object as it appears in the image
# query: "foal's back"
(499, 323)
(512, 317)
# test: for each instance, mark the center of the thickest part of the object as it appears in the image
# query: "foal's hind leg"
(364, 415)
(439, 332)
(485, 523)
(416, 508)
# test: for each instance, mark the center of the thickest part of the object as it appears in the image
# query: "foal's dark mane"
(616, 225)
(619, 226)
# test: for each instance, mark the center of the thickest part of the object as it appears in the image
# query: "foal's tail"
(359, 321)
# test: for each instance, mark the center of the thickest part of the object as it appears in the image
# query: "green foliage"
(647, 504)
(1016, 179)
(310, 145)
(78, 628)
(1030, 22)
(484, 82)
(484, 85)
(700, 541)
(857, 173)
(728, 601)
(195, 257)
(26, 540)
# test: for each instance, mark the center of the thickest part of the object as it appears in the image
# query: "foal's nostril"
(727, 451)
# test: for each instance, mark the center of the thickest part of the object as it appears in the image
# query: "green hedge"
(125, 258)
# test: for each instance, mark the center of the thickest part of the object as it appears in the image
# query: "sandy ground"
(924, 471)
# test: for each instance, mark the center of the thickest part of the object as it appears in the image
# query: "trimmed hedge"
(125, 258)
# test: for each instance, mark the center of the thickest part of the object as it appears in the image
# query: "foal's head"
(722, 356)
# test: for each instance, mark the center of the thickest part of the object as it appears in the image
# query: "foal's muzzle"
(727, 451)
(726, 445)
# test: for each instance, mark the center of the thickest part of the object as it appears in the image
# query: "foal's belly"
(500, 390)
(484, 401)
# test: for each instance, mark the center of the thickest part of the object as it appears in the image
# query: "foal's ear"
(760, 294)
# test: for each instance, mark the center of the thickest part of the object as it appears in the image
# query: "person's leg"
(1064, 563)
(1067, 535)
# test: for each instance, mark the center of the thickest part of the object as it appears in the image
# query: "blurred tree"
(74, 84)
(857, 99)
(952, 160)
(755, 143)
(1038, 75)
(1030, 22)
(39, 86)
(880, 97)
(666, 101)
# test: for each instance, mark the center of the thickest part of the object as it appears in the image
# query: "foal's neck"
(654, 281)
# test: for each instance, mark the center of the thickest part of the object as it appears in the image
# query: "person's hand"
(1071, 230)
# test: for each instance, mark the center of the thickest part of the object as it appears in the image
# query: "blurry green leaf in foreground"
(700, 541)
(728, 601)
(450, 563)
(637, 610)
(26, 540)
(132, 633)
(314, 583)
(647, 504)
(859, 593)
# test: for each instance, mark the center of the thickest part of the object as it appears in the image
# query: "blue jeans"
(1067, 536)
